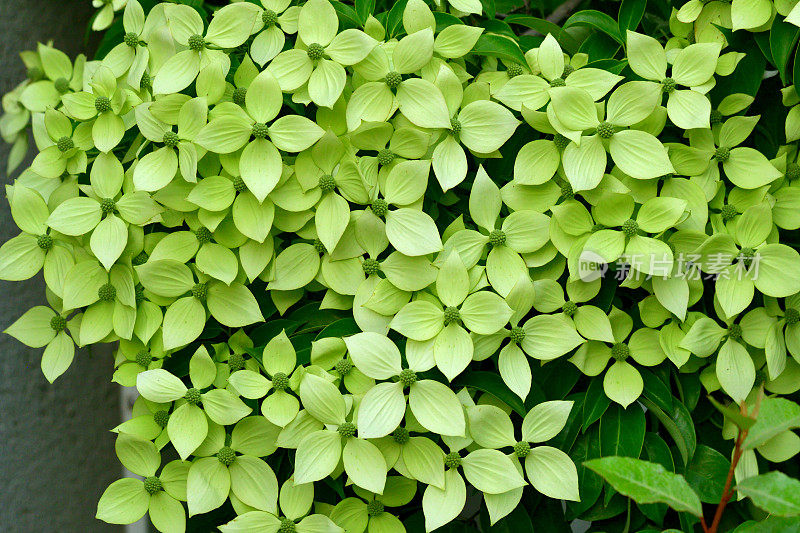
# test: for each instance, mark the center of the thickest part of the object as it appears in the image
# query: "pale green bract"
(352, 262)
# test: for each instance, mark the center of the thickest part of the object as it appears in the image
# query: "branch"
(563, 11)
(728, 491)
(558, 16)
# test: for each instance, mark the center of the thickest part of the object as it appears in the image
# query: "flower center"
(280, 382)
(45, 242)
(722, 154)
(385, 157)
(161, 418)
(170, 139)
(239, 96)
(58, 323)
(61, 85)
(192, 396)
(605, 130)
(347, 430)
(236, 362)
(393, 79)
(131, 39)
(107, 293)
(452, 460)
(570, 308)
(522, 449)
(514, 70)
(630, 227)
(668, 85)
(260, 131)
(200, 291)
(400, 436)
(343, 367)
(226, 455)
(65, 144)
(152, 485)
(327, 183)
(379, 207)
(374, 508)
(451, 315)
(620, 351)
(792, 171)
(269, 18)
(102, 104)
(735, 331)
(196, 43)
(319, 247)
(239, 185)
(203, 235)
(287, 526)
(143, 358)
(315, 51)
(408, 377)
(371, 266)
(497, 238)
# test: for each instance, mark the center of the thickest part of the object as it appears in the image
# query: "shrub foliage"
(405, 266)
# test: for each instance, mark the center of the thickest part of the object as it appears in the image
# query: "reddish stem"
(727, 492)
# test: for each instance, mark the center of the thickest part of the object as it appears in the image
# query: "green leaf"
(544, 27)
(775, 416)
(775, 492)
(734, 415)
(364, 8)
(782, 39)
(622, 431)
(595, 404)
(679, 424)
(630, 14)
(707, 472)
(500, 47)
(493, 384)
(597, 20)
(647, 482)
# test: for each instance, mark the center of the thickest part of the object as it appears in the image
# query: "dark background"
(56, 453)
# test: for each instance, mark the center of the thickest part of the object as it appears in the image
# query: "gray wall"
(56, 454)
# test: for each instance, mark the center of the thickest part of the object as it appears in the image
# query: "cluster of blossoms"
(314, 235)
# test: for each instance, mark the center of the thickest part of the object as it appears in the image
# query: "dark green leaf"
(656, 390)
(492, 383)
(488, 8)
(340, 328)
(679, 424)
(348, 17)
(707, 472)
(567, 41)
(630, 14)
(622, 431)
(444, 20)
(500, 47)
(591, 485)
(599, 47)
(782, 38)
(647, 482)
(657, 451)
(394, 19)
(597, 20)
(364, 8)
(595, 404)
